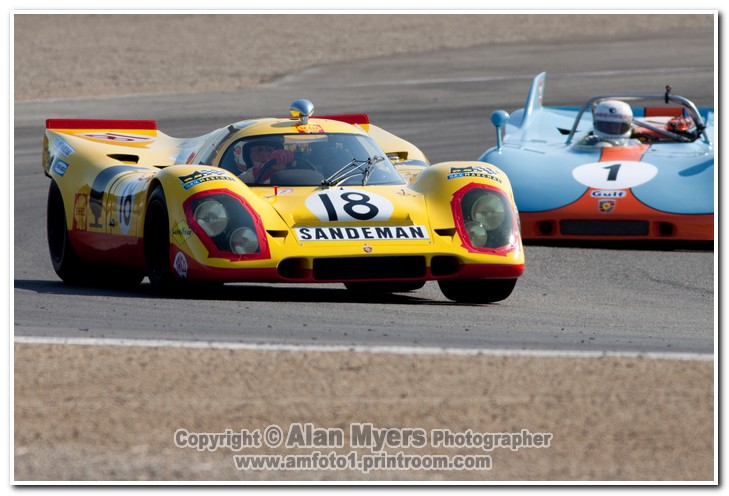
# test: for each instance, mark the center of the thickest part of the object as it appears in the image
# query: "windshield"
(309, 160)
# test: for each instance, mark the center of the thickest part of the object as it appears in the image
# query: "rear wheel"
(66, 262)
(384, 287)
(477, 291)
(157, 241)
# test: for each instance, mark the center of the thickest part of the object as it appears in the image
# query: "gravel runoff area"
(111, 413)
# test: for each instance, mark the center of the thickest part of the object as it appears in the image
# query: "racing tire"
(384, 287)
(157, 242)
(477, 291)
(66, 262)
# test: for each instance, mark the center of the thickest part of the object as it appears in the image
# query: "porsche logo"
(606, 206)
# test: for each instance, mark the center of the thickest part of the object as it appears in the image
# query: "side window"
(228, 161)
(208, 152)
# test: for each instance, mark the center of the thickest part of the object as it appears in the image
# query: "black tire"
(66, 262)
(157, 241)
(384, 287)
(64, 258)
(477, 291)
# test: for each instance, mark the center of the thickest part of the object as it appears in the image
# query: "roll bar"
(667, 97)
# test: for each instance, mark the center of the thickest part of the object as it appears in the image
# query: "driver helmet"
(238, 156)
(272, 144)
(613, 120)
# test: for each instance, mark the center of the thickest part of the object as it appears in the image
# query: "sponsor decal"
(180, 264)
(180, 232)
(361, 233)
(614, 175)
(474, 171)
(604, 193)
(125, 202)
(118, 137)
(347, 204)
(59, 167)
(606, 206)
(199, 177)
(63, 147)
(310, 129)
(80, 202)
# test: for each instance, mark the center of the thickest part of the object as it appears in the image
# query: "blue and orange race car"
(620, 167)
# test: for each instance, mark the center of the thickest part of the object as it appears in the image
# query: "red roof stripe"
(100, 124)
(348, 118)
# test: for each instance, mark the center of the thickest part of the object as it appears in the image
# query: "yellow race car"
(299, 199)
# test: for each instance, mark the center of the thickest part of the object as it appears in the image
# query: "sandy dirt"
(110, 413)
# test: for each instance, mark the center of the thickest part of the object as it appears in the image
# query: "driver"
(612, 123)
(253, 156)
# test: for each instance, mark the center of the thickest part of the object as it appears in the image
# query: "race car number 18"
(349, 204)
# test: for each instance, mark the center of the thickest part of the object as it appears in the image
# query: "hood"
(347, 206)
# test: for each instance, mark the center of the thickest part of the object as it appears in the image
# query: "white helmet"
(613, 120)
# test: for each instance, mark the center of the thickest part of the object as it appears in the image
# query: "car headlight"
(487, 218)
(488, 211)
(244, 240)
(212, 216)
(477, 234)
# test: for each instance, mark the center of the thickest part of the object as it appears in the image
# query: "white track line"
(398, 350)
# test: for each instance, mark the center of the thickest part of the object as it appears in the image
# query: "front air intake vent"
(604, 227)
(372, 268)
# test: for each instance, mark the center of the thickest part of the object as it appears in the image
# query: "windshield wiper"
(353, 168)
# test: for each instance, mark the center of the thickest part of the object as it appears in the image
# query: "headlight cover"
(227, 226)
(243, 240)
(212, 216)
(489, 211)
(487, 218)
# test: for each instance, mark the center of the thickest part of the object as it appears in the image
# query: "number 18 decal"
(614, 175)
(344, 204)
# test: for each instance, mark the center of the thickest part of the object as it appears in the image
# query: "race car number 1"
(349, 204)
(614, 175)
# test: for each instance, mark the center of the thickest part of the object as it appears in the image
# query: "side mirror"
(499, 119)
(301, 109)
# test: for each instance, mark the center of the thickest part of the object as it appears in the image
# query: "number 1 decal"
(620, 175)
(613, 174)
(349, 204)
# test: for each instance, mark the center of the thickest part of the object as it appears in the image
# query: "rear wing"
(361, 120)
(107, 141)
(96, 124)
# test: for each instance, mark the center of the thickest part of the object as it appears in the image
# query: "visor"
(613, 128)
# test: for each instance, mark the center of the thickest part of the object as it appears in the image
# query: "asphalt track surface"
(574, 298)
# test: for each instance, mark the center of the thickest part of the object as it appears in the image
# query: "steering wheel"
(297, 163)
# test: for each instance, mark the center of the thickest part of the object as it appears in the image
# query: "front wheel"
(477, 291)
